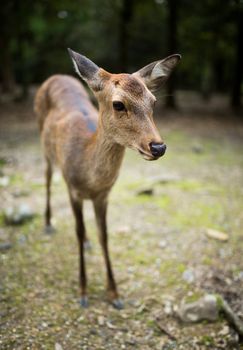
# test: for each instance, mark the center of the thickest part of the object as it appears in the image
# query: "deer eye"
(118, 106)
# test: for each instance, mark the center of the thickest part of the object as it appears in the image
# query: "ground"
(159, 247)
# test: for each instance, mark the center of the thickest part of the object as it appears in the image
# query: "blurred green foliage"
(120, 34)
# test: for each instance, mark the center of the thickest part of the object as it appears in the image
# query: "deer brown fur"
(88, 145)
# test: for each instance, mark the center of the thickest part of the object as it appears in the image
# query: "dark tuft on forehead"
(129, 83)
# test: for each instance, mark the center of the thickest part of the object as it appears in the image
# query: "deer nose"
(157, 149)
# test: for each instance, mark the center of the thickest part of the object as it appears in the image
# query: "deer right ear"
(156, 73)
(86, 69)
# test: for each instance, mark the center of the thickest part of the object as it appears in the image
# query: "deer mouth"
(146, 155)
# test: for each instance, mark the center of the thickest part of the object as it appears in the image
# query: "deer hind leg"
(48, 213)
(80, 231)
(100, 207)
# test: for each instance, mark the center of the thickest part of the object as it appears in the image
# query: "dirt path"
(159, 249)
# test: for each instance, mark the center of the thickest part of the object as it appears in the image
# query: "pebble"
(58, 346)
(162, 243)
(197, 148)
(4, 181)
(5, 246)
(168, 307)
(101, 320)
(18, 215)
(220, 236)
(164, 179)
(205, 308)
(224, 331)
(146, 192)
(188, 276)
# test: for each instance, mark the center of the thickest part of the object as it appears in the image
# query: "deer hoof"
(118, 304)
(84, 302)
(49, 229)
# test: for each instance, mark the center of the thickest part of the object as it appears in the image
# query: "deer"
(88, 145)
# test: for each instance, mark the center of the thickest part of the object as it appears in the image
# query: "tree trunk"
(7, 79)
(172, 48)
(6, 69)
(126, 15)
(238, 73)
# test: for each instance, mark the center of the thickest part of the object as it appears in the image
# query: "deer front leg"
(100, 207)
(80, 231)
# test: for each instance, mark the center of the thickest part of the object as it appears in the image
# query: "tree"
(7, 78)
(238, 70)
(172, 48)
(126, 16)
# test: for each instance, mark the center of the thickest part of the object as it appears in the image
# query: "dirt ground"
(159, 247)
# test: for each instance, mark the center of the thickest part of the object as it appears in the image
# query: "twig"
(164, 329)
(231, 316)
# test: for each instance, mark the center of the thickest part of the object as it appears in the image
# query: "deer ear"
(156, 73)
(86, 69)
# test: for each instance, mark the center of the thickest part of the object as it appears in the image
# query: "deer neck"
(105, 155)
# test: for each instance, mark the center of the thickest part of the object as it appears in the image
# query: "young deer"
(89, 145)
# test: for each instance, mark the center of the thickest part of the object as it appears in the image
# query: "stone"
(164, 179)
(197, 148)
(18, 215)
(162, 243)
(146, 192)
(205, 308)
(101, 320)
(5, 246)
(188, 276)
(220, 236)
(4, 181)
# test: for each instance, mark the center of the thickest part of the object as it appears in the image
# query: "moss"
(3, 162)
(207, 340)
(207, 261)
(193, 297)
(17, 179)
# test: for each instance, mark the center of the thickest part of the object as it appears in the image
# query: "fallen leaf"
(221, 236)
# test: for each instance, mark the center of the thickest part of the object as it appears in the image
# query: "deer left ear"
(155, 74)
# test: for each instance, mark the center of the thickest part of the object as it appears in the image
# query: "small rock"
(205, 308)
(110, 325)
(4, 181)
(142, 308)
(170, 345)
(162, 243)
(224, 331)
(240, 276)
(22, 239)
(188, 276)
(21, 193)
(18, 215)
(168, 307)
(123, 229)
(101, 320)
(146, 192)
(5, 246)
(221, 236)
(165, 178)
(197, 148)
(58, 346)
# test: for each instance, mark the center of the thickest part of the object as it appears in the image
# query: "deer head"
(126, 102)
